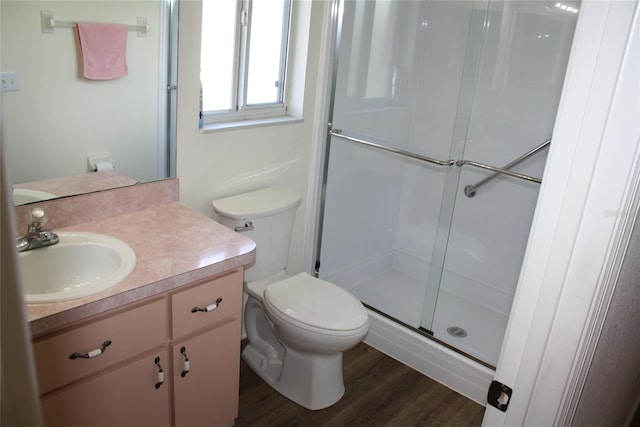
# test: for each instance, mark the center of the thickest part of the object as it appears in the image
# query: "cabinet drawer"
(127, 396)
(130, 332)
(186, 317)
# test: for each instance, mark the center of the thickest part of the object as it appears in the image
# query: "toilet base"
(312, 381)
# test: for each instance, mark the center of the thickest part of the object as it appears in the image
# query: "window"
(243, 59)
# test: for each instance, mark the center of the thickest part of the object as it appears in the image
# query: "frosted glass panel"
(379, 228)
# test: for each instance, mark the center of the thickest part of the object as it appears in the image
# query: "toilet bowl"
(297, 326)
(299, 352)
(314, 315)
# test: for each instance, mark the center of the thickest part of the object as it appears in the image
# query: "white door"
(584, 212)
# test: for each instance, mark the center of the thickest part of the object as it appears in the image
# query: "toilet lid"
(316, 303)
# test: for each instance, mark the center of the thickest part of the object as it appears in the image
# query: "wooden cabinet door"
(125, 396)
(207, 395)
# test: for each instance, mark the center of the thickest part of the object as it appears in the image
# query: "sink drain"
(456, 331)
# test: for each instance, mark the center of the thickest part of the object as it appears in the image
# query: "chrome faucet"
(37, 236)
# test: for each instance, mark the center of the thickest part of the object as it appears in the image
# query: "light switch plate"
(10, 81)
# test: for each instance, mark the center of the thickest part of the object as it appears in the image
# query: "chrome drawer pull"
(208, 308)
(186, 365)
(93, 353)
(160, 373)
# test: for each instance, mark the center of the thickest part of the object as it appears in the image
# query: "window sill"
(247, 124)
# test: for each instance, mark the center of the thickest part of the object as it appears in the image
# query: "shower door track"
(496, 170)
(429, 335)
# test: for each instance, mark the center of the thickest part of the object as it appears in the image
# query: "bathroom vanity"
(164, 362)
(162, 347)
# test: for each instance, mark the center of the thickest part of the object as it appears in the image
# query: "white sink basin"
(81, 264)
(23, 195)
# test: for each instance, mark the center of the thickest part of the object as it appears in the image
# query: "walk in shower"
(441, 120)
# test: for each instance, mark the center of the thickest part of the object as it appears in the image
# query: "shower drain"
(456, 331)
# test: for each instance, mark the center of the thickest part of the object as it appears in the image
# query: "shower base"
(393, 285)
(401, 297)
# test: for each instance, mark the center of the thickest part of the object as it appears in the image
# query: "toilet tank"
(271, 212)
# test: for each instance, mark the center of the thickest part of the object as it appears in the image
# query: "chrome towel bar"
(338, 133)
(497, 170)
(469, 190)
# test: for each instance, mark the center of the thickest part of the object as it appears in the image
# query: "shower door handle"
(338, 134)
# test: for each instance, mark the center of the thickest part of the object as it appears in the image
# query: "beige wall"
(218, 164)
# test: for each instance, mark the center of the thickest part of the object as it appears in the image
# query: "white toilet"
(297, 326)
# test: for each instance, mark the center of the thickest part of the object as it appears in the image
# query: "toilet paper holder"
(100, 163)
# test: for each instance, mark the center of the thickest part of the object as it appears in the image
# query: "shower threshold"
(436, 360)
(429, 334)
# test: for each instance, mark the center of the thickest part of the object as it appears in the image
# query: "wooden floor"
(380, 391)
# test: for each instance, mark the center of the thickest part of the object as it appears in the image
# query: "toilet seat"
(316, 305)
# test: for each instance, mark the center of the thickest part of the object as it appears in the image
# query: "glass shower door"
(401, 104)
(519, 79)
(425, 94)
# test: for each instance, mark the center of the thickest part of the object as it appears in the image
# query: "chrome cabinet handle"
(160, 377)
(208, 308)
(93, 353)
(186, 365)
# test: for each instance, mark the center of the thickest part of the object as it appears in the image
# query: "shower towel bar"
(498, 171)
(338, 133)
(49, 24)
(470, 190)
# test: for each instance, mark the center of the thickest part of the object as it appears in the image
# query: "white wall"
(213, 165)
(58, 118)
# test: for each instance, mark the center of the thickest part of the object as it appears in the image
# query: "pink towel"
(104, 50)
